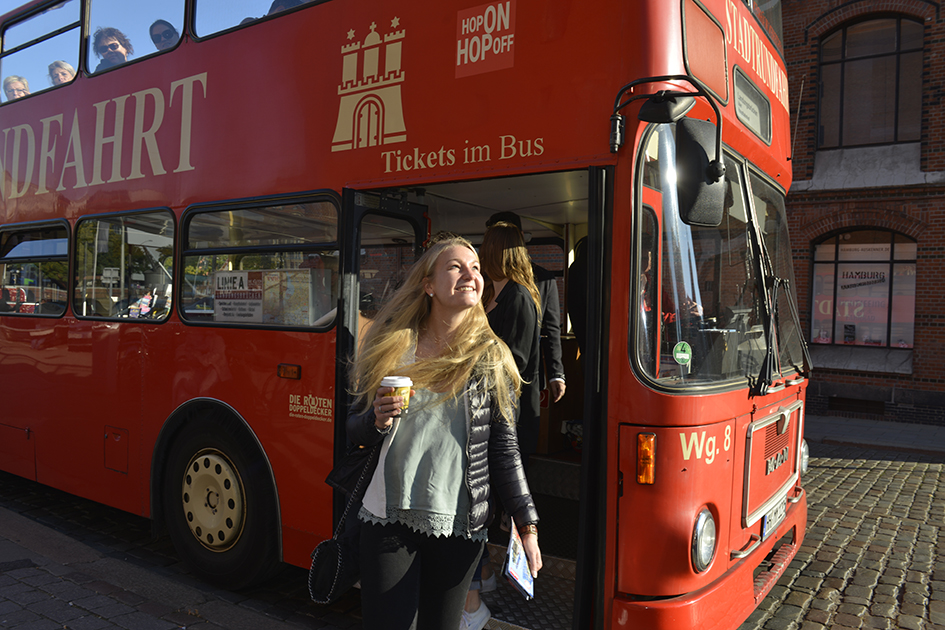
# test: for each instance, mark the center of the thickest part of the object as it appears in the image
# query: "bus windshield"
(702, 313)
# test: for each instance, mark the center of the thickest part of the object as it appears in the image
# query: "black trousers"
(411, 581)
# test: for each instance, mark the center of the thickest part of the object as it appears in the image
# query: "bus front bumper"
(728, 601)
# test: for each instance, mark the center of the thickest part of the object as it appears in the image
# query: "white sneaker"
(488, 584)
(475, 620)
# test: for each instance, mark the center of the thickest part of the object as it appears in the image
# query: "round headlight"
(703, 541)
(805, 457)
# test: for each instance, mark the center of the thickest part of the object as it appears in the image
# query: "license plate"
(772, 519)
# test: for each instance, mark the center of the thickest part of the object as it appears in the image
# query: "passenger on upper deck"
(163, 34)
(60, 72)
(15, 87)
(283, 5)
(112, 46)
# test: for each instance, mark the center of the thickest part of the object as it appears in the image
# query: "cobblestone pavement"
(873, 557)
(874, 553)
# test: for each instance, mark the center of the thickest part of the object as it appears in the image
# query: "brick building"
(867, 206)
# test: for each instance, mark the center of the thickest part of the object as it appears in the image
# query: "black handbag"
(336, 562)
(346, 476)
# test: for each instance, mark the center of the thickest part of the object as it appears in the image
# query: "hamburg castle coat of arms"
(371, 111)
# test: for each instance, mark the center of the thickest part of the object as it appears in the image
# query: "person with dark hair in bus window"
(15, 87)
(278, 6)
(551, 367)
(112, 46)
(60, 72)
(163, 34)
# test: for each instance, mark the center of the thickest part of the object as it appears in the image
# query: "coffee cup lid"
(396, 381)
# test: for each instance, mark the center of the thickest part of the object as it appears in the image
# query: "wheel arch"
(191, 411)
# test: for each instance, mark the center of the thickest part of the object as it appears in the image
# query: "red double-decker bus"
(202, 202)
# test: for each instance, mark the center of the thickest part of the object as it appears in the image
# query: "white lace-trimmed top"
(420, 479)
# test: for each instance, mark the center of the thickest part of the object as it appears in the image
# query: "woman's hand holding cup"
(392, 398)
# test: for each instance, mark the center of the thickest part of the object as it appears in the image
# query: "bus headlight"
(805, 457)
(703, 541)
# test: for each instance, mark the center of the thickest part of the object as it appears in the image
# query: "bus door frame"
(590, 589)
(355, 205)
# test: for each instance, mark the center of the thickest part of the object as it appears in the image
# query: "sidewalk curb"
(883, 447)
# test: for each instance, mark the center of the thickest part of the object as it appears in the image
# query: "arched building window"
(871, 84)
(864, 290)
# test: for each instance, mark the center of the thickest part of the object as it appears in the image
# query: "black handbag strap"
(354, 495)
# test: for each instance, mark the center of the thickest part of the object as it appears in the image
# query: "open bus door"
(570, 486)
(382, 237)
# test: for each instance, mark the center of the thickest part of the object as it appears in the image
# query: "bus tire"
(220, 506)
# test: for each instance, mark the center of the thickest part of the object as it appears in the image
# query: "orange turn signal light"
(287, 370)
(646, 458)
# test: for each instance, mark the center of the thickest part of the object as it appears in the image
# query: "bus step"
(495, 624)
(552, 605)
(556, 475)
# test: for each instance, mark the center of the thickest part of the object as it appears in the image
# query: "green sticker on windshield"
(682, 353)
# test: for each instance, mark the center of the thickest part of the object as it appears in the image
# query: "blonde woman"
(60, 72)
(513, 306)
(425, 511)
(15, 87)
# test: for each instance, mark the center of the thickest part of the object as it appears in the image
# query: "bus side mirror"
(700, 181)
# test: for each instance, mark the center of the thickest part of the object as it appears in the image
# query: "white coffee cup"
(401, 385)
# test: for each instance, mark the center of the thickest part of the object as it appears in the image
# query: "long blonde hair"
(503, 255)
(474, 351)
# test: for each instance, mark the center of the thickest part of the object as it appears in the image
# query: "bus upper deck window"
(34, 58)
(120, 32)
(213, 16)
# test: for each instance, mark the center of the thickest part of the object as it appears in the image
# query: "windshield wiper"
(771, 364)
(772, 358)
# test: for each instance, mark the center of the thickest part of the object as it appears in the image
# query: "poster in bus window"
(238, 297)
(294, 297)
(277, 297)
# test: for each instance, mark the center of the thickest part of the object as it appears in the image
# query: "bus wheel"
(220, 506)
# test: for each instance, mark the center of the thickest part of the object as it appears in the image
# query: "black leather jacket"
(494, 458)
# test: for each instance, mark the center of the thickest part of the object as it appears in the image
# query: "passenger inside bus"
(60, 72)
(15, 87)
(163, 34)
(550, 367)
(112, 46)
